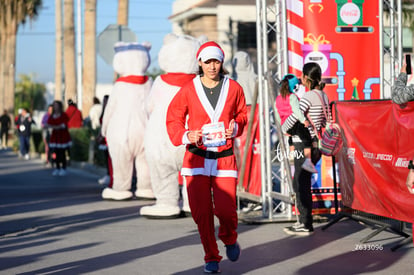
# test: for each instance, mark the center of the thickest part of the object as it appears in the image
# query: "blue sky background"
(36, 40)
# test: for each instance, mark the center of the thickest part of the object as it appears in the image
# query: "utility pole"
(59, 51)
(79, 54)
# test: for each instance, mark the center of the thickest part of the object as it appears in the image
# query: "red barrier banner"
(252, 174)
(373, 162)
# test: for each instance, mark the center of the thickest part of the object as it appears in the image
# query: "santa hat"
(210, 50)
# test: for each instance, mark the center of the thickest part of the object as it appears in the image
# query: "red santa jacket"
(192, 101)
(75, 117)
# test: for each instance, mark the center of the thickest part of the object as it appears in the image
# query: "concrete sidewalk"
(60, 225)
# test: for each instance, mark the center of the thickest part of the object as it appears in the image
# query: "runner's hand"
(410, 181)
(230, 130)
(194, 136)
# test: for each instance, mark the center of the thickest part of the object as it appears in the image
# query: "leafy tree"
(12, 14)
(29, 94)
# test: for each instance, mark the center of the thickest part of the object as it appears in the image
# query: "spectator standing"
(216, 110)
(24, 131)
(75, 120)
(311, 106)
(5, 122)
(60, 140)
(74, 115)
(400, 92)
(46, 132)
(103, 145)
(95, 113)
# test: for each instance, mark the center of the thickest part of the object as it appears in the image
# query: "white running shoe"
(104, 180)
(308, 166)
(62, 172)
(26, 157)
(55, 172)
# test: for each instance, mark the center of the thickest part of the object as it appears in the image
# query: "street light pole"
(79, 54)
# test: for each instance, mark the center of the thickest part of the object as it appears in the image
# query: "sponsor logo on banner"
(401, 162)
(351, 155)
(368, 155)
(256, 147)
(377, 156)
(385, 157)
(291, 154)
(350, 13)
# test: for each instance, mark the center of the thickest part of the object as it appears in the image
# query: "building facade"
(230, 23)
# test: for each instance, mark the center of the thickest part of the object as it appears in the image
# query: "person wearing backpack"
(312, 107)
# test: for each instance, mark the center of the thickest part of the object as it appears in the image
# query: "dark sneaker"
(233, 251)
(299, 230)
(211, 267)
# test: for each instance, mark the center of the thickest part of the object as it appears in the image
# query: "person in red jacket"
(74, 115)
(216, 110)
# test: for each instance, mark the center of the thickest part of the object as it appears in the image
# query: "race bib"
(214, 134)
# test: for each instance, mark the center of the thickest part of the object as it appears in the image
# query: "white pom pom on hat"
(210, 50)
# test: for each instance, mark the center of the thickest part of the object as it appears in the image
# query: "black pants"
(4, 134)
(60, 158)
(300, 130)
(302, 184)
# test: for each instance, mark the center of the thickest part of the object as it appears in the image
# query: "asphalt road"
(60, 225)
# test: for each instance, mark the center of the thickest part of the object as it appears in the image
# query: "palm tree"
(69, 50)
(89, 62)
(59, 51)
(12, 13)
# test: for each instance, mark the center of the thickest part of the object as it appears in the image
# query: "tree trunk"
(10, 66)
(89, 57)
(58, 52)
(123, 12)
(2, 58)
(69, 51)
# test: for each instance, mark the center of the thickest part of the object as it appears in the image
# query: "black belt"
(210, 154)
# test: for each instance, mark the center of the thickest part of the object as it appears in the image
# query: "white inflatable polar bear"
(125, 120)
(177, 58)
(244, 74)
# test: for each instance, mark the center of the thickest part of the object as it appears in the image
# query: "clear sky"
(148, 19)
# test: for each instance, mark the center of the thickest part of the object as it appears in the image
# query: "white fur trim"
(160, 210)
(145, 193)
(111, 194)
(202, 171)
(211, 52)
(214, 114)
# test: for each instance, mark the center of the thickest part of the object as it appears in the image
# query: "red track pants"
(209, 196)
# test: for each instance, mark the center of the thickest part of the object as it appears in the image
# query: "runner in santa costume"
(176, 58)
(60, 139)
(206, 115)
(125, 120)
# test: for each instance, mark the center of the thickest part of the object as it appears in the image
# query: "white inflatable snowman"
(125, 120)
(177, 58)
